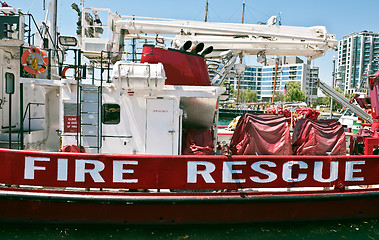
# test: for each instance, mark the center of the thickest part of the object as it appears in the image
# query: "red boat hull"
(183, 208)
(111, 178)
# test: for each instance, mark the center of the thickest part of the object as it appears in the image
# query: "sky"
(341, 17)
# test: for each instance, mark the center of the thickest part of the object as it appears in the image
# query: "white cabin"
(138, 114)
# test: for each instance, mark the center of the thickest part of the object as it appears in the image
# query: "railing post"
(21, 139)
(49, 65)
(10, 121)
(30, 30)
(29, 117)
(108, 66)
(77, 97)
(100, 102)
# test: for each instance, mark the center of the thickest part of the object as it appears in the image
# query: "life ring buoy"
(63, 73)
(34, 69)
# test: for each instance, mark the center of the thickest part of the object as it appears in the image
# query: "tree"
(246, 95)
(250, 95)
(336, 105)
(294, 92)
(323, 101)
(279, 96)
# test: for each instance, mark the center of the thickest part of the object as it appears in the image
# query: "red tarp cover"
(318, 137)
(181, 68)
(198, 142)
(262, 134)
(72, 148)
(308, 113)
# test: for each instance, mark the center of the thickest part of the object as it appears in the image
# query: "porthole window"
(110, 113)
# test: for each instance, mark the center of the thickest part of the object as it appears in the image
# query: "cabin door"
(160, 128)
(4, 103)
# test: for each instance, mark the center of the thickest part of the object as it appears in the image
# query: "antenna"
(134, 47)
(272, 20)
(206, 11)
(243, 11)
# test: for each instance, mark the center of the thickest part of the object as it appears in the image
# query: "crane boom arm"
(344, 101)
(245, 39)
(242, 39)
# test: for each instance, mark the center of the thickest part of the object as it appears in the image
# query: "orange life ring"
(63, 73)
(34, 69)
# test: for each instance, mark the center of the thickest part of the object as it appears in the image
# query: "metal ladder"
(90, 117)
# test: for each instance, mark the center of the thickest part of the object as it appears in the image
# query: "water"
(358, 229)
(225, 121)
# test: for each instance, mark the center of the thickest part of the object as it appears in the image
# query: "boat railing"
(20, 137)
(14, 26)
(30, 36)
(30, 118)
(210, 192)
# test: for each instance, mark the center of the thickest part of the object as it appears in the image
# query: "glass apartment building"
(261, 78)
(311, 84)
(357, 56)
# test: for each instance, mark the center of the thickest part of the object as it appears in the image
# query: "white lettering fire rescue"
(119, 168)
(229, 171)
(193, 172)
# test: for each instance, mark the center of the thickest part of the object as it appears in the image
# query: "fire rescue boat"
(113, 141)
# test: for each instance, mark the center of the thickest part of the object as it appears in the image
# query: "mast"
(206, 11)
(243, 11)
(239, 75)
(134, 58)
(274, 86)
(53, 17)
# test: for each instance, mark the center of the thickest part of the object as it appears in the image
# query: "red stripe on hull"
(184, 172)
(182, 208)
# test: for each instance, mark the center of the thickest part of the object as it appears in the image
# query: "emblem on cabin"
(2, 102)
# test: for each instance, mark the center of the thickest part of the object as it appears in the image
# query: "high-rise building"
(357, 57)
(279, 71)
(311, 87)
